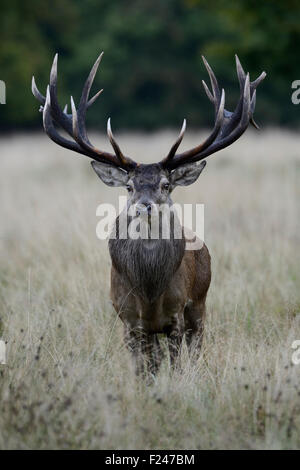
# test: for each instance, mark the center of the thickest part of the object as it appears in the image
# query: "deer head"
(153, 183)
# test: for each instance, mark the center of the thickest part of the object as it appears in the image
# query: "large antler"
(74, 124)
(228, 126)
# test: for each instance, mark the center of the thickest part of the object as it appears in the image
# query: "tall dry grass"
(69, 383)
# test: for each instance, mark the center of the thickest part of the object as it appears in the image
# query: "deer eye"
(129, 188)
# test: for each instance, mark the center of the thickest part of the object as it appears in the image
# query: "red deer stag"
(157, 286)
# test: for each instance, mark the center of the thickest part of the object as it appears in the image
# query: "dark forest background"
(152, 68)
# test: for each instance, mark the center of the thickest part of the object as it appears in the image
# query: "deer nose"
(143, 209)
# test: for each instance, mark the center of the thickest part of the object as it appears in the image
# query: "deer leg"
(194, 317)
(145, 349)
(135, 342)
(175, 336)
(154, 354)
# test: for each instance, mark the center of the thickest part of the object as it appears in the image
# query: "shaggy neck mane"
(148, 265)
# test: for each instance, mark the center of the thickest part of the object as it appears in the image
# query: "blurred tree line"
(152, 69)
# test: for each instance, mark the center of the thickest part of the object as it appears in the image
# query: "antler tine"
(84, 98)
(240, 71)
(216, 129)
(35, 91)
(241, 74)
(256, 82)
(74, 124)
(186, 156)
(228, 126)
(224, 141)
(252, 108)
(233, 118)
(93, 99)
(80, 115)
(111, 138)
(253, 85)
(216, 95)
(218, 99)
(176, 143)
(125, 161)
(88, 84)
(62, 118)
(51, 130)
(86, 145)
(42, 99)
(207, 91)
(59, 116)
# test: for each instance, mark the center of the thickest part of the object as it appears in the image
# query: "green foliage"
(152, 67)
(30, 32)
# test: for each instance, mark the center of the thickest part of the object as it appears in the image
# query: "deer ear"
(110, 175)
(186, 174)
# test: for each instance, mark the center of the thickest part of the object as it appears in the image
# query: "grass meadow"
(69, 382)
